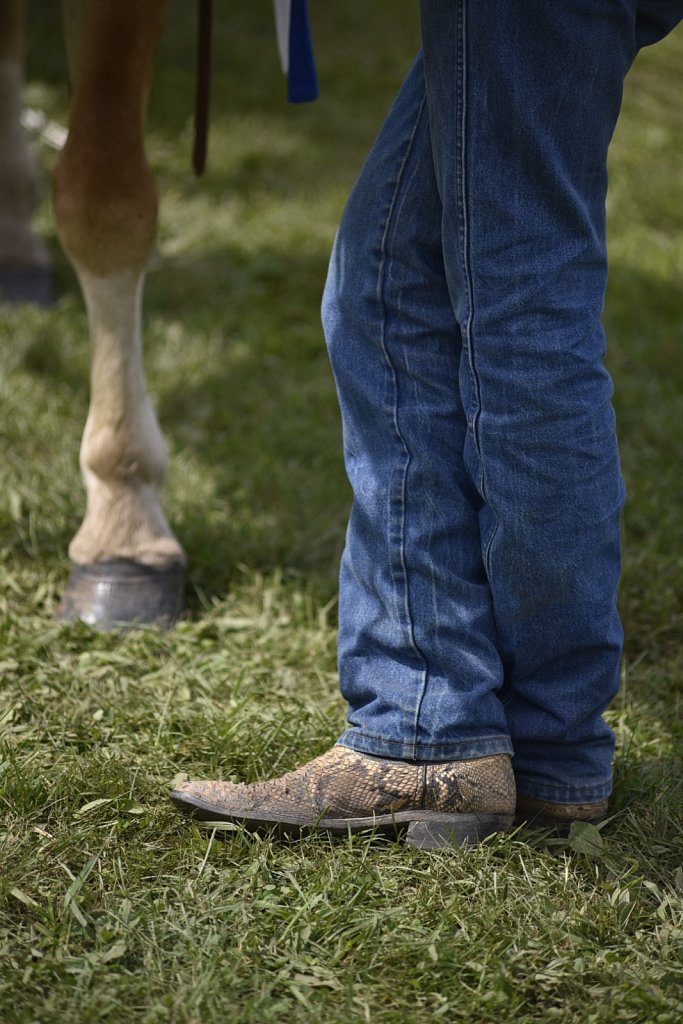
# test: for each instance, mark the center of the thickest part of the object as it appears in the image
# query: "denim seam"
(400, 535)
(461, 63)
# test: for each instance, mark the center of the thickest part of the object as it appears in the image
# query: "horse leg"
(24, 270)
(127, 564)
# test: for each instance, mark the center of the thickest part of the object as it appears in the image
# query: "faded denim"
(462, 314)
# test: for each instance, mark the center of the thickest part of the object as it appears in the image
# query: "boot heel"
(455, 830)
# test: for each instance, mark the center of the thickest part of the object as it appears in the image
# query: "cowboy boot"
(435, 805)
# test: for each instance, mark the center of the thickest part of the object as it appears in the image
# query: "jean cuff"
(406, 750)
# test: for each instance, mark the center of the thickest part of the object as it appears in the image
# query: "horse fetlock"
(125, 519)
(124, 464)
(126, 453)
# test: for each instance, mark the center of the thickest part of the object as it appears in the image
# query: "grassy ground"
(111, 908)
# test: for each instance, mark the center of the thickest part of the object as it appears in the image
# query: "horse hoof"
(26, 284)
(122, 594)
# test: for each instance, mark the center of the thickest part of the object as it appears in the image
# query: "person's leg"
(427, 748)
(523, 98)
(418, 658)
(462, 315)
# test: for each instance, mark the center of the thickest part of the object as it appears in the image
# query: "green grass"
(111, 907)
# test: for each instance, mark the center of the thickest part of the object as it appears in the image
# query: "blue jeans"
(462, 313)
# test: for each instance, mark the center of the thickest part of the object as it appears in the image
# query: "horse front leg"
(24, 264)
(127, 564)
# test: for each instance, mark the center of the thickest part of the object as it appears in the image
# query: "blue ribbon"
(302, 80)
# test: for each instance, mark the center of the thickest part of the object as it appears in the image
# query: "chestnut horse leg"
(24, 270)
(127, 564)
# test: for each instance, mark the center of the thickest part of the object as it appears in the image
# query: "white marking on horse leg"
(123, 453)
(19, 245)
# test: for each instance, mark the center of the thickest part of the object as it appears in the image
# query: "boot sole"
(426, 830)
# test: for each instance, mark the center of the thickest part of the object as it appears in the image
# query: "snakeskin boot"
(430, 805)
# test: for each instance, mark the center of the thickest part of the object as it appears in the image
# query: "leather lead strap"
(201, 110)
